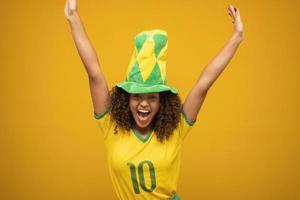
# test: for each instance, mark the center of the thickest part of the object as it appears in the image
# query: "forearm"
(84, 46)
(215, 67)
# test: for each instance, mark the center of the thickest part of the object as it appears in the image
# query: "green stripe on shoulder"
(187, 120)
(99, 116)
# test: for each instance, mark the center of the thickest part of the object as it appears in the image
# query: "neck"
(143, 131)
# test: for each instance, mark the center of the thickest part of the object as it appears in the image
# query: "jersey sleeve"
(185, 125)
(104, 122)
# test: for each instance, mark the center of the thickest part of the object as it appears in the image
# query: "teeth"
(143, 111)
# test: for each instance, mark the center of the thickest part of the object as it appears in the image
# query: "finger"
(231, 17)
(231, 9)
(73, 4)
(237, 13)
(231, 14)
(66, 7)
(66, 4)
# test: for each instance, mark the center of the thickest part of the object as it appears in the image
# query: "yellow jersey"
(143, 168)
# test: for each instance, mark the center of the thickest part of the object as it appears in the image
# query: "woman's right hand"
(70, 9)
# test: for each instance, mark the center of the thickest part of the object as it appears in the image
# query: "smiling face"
(144, 108)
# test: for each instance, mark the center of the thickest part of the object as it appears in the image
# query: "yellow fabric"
(130, 161)
(146, 58)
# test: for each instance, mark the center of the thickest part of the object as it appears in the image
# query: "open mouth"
(143, 114)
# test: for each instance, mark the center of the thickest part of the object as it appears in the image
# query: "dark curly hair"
(165, 121)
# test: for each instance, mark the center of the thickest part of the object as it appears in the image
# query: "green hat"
(146, 72)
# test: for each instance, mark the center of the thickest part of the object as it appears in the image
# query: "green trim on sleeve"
(187, 120)
(99, 116)
(175, 197)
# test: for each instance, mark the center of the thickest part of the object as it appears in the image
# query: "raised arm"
(214, 68)
(98, 86)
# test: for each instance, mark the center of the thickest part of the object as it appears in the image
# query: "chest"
(126, 150)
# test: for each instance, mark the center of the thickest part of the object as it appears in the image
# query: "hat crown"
(148, 61)
(146, 72)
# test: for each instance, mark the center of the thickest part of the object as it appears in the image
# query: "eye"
(153, 97)
(135, 97)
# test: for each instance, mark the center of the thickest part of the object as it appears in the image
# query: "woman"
(142, 119)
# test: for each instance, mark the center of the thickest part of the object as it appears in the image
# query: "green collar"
(138, 135)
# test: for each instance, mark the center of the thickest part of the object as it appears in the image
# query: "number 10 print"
(142, 176)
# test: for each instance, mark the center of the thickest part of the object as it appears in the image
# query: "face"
(144, 108)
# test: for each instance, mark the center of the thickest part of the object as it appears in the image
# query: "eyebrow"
(148, 96)
(135, 95)
(153, 95)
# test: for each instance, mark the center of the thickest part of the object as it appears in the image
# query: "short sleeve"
(104, 122)
(185, 125)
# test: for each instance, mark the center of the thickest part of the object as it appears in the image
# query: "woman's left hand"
(236, 20)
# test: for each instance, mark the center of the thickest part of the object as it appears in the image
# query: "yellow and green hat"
(146, 72)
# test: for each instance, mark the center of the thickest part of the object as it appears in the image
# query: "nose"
(144, 103)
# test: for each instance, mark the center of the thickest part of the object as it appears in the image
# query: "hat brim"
(140, 88)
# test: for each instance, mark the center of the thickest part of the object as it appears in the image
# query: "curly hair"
(165, 121)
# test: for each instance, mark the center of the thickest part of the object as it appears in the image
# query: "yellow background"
(245, 145)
